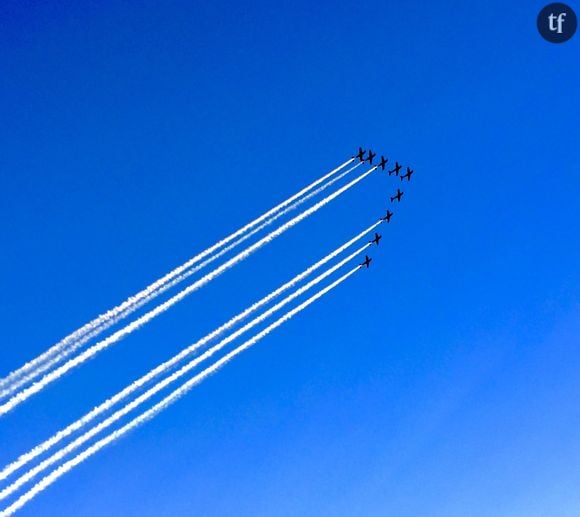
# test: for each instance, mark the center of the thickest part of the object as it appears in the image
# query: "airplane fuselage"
(367, 261)
(397, 196)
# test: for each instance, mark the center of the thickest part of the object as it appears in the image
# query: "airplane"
(396, 169)
(367, 261)
(383, 162)
(376, 239)
(361, 154)
(387, 217)
(397, 196)
(408, 175)
(371, 156)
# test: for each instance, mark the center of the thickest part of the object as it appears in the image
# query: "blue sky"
(441, 382)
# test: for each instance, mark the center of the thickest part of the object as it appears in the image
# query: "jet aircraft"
(408, 175)
(376, 239)
(397, 196)
(387, 217)
(361, 154)
(371, 156)
(367, 261)
(396, 169)
(383, 162)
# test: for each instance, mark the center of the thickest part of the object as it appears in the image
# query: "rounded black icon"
(557, 22)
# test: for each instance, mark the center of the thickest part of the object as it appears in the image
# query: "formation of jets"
(383, 163)
(397, 197)
(361, 156)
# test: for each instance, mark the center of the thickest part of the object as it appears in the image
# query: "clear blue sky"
(443, 381)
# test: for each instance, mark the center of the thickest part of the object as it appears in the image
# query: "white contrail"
(74, 336)
(139, 322)
(167, 365)
(163, 404)
(59, 356)
(57, 456)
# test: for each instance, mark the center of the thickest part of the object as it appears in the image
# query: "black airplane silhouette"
(361, 154)
(397, 196)
(383, 162)
(376, 239)
(408, 175)
(387, 217)
(371, 156)
(396, 169)
(367, 261)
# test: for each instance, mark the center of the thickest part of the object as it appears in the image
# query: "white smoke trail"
(139, 322)
(74, 336)
(99, 329)
(123, 394)
(57, 456)
(163, 404)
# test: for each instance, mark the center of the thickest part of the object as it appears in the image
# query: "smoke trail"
(74, 336)
(163, 404)
(72, 347)
(170, 379)
(87, 354)
(111, 402)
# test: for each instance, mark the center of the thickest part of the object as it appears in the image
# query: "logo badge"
(557, 23)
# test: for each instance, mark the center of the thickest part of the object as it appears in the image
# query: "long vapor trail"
(139, 322)
(164, 403)
(74, 336)
(167, 365)
(158, 283)
(171, 378)
(59, 355)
